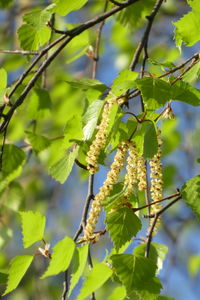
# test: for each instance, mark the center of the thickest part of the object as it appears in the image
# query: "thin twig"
(22, 52)
(157, 215)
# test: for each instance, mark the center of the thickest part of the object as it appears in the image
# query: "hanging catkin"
(105, 190)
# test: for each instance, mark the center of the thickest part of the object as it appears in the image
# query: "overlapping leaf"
(63, 7)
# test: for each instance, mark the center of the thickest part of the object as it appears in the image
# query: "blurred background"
(63, 203)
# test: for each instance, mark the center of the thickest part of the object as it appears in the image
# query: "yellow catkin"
(100, 140)
(131, 176)
(105, 190)
(156, 177)
(141, 174)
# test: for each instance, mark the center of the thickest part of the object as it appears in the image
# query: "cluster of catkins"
(136, 171)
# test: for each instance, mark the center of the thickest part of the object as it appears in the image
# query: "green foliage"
(137, 274)
(118, 293)
(63, 8)
(61, 257)
(79, 262)
(122, 225)
(33, 225)
(39, 104)
(123, 82)
(18, 267)
(62, 169)
(3, 76)
(35, 33)
(38, 142)
(150, 141)
(99, 274)
(191, 194)
(187, 27)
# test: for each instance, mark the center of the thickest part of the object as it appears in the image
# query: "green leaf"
(13, 158)
(150, 141)
(3, 278)
(96, 278)
(80, 259)
(35, 33)
(38, 142)
(157, 253)
(87, 83)
(135, 272)
(19, 266)
(183, 91)
(39, 105)
(119, 293)
(33, 225)
(64, 7)
(61, 257)
(122, 225)
(123, 82)
(187, 28)
(90, 118)
(115, 197)
(3, 81)
(14, 196)
(62, 169)
(191, 194)
(155, 92)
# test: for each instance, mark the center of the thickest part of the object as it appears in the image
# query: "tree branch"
(22, 52)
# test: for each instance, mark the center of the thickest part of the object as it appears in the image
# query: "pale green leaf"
(19, 266)
(62, 169)
(119, 293)
(87, 83)
(33, 225)
(187, 28)
(99, 274)
(38, 142)
(90, 118)
(13, 158)
(14, 196)
(39, 105)
(122, 225)
(64, 7)
(61, 257)
(191, 194)
(150, 141)
(123, 82)
(3, 78)
(79, 259)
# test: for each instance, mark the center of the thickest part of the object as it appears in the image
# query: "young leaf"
(61, 257)
(13, 158)
(183, 91)
(33, 225)
(63, 7)
(39, 105)
(133, 270)
(191, 194)
(3, 81)
(150, 141)
(187, 28)
(96, 278)
(19, 266)
(119, 293)
(62, 169)
(80, 259)
(122, 225)
(35, 33)
(91, 117)
(123, 82)
(38, 142)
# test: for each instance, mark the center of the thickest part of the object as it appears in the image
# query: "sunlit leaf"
(19, 266)
(150, 141)
(3, 80)
(61, 257)
(33, 225)
(64, 7)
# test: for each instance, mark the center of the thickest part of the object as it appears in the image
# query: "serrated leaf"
(38, 142)
(35, 33)
(114, 197)
(3, 76)
(33, 225)
(119, 293)
(80, 259)
(157, 253)
(191, 194)
(62, 169)
(135, 272)
(13, 158)
(187, 28)
(90, 118)
(39, 105)
(19, 266)
(122, 225)
(183, 91)
(150, 141)
(99, 274)
(64, 7)
(123, 82)
(61, 257)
